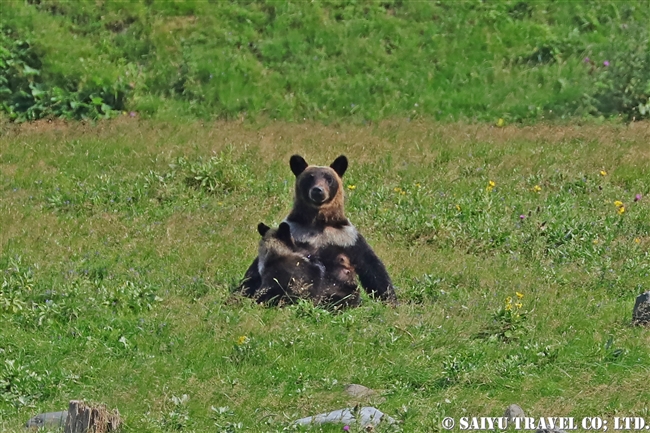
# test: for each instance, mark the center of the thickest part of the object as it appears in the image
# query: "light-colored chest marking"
(343, 237)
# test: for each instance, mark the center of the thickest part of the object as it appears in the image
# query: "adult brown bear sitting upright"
(318, 225)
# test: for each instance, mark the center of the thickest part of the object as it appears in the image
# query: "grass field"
(522, 61)
(117, 272)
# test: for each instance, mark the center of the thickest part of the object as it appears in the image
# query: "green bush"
(24, 95)
(622, 81)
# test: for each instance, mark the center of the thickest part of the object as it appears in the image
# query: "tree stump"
(83, 418)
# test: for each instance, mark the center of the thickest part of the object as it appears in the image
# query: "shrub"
(25, 95)
(622, 81)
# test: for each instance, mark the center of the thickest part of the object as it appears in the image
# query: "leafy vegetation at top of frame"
(622, 84)
(28, 93)
(355, 60)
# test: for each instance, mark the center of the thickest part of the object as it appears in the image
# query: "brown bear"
(318, 226)
(288, 273)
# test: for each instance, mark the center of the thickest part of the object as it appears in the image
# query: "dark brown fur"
(289, 273)
(329, 211)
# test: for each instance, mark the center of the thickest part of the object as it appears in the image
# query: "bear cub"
(289, 272)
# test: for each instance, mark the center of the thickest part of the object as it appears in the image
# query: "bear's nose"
(317, 194)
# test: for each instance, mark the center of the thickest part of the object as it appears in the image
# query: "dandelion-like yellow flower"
(618, 203)
(537, 188)
(352, 187)
(637, 240)
(458, 207)
(501, 123)
(508, 307)
(397, 189)
(621, 210)
(490, 186)
(519, 305)
(519, 295)
(418, 185)
(508, 300)
(242, 340)
(603, 173)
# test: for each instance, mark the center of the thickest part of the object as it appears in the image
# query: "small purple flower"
(522, 217)
(637, 197)
(132, 114)
(606, 63)
(587, 60)
(346, 428)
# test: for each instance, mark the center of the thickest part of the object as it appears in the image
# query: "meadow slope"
(330, 60)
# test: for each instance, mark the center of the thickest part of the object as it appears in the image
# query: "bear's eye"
(329, 179)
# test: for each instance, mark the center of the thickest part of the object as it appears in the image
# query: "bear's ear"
(262, 229)
(339, 165)
(297, 164)
(284, 234)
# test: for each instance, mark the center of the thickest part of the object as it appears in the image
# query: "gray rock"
(514, 411)
(50, 420)
(365, 416)
(641, 314)
(359, 391)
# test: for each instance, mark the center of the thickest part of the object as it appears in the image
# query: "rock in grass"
(514, 411)
(641, 314)
(50, 420)
(359, 391)
(365, 416)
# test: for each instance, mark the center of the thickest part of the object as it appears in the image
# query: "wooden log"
(83, 418)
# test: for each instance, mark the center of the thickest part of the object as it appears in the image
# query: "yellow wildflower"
(490, 186)
(242, 340)
(603, 173)
(637, 240)
(621, 210)
(537, 188)
(595, 241)
(519, 295)
(518, 305)
(397, 189)
(352, 187)
(508, 300)
(618, 203)
(418, 185)
(508, 307)
(458, 207)
(501, 123)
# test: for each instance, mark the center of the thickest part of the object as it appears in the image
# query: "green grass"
(332, 60)
(117, 273)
